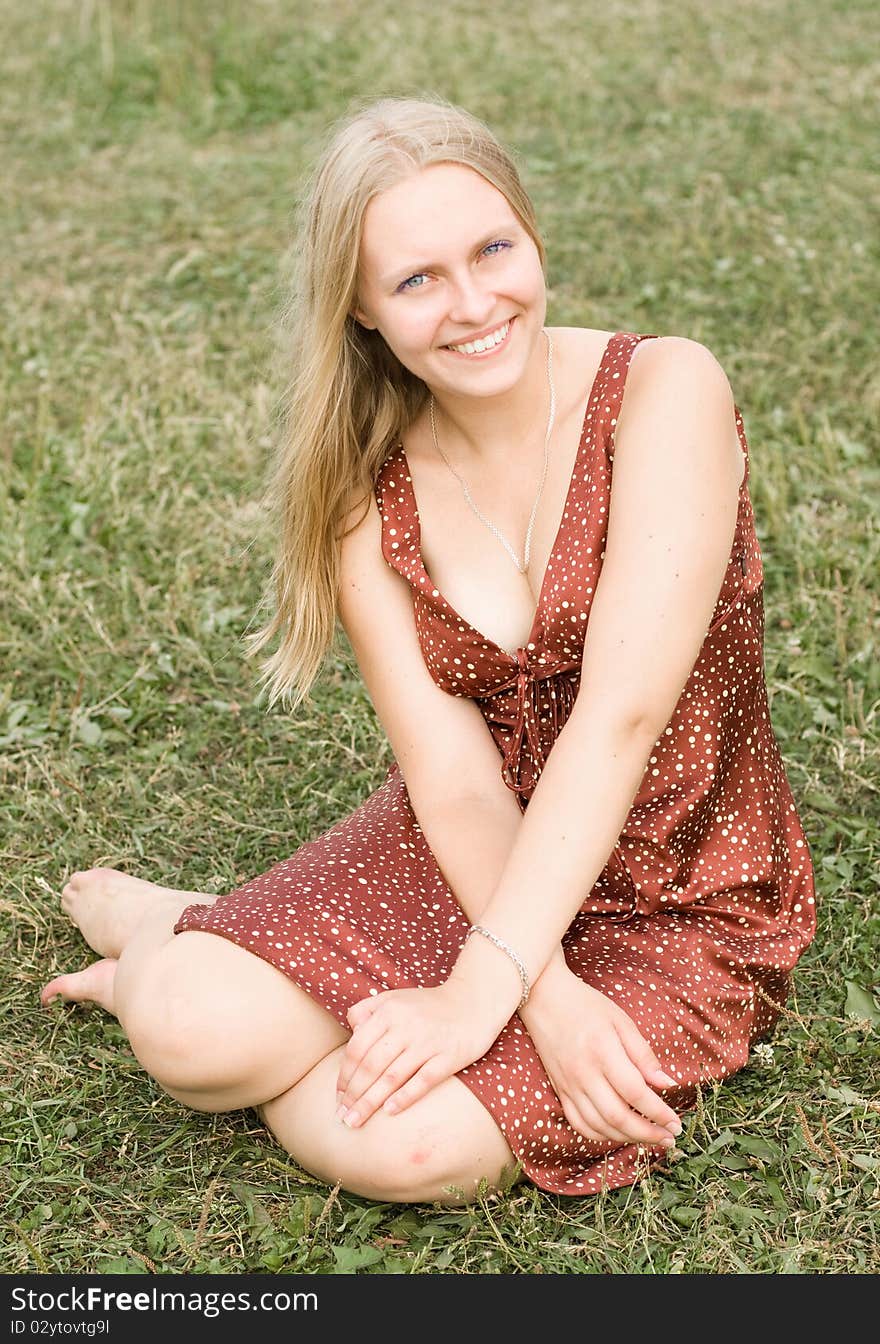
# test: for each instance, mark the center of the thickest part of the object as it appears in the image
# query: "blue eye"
(408, 285)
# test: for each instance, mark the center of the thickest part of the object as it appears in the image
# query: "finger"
(640, 1052)
(592, 1126)
(432, 1072)
(615, 1113)
(580, 1126)
(361, 1042)
(370, 1071)
(387, 1085)
(629, 1083)
(597, 1131)
(369, 1055)
(360, 1011)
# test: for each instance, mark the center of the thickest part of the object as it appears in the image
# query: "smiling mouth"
(487, 345)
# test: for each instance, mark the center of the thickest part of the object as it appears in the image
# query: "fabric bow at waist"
(526, 727)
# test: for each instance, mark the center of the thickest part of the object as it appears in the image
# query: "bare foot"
(93, 985)
(107, 906)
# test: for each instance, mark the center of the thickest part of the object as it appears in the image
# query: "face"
(443, 261)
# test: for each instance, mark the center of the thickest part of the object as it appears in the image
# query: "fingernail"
(352, 1119)
(674, 1127)
(664, 1079)
(340, 1112)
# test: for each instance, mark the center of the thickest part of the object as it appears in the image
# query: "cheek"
(529, 275)
(415, 326)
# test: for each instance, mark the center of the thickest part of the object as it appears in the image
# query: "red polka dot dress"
(706, 901)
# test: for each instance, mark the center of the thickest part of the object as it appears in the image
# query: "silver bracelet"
(505, 947)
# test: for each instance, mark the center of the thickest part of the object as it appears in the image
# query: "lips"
(483, 354)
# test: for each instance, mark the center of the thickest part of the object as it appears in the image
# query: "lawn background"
(698, 169)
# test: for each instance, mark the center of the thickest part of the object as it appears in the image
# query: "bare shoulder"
(360, 525)
(676, 381)
(669, 361)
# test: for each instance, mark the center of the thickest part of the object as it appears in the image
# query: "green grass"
(699, 170)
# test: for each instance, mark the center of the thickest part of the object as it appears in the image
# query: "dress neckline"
(538, 613)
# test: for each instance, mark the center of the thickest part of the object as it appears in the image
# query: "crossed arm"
(674, 498)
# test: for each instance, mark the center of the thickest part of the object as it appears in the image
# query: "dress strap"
(743, 443)
(399, 515)
(616, 384)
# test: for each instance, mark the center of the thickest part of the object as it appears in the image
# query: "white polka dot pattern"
(707, 899)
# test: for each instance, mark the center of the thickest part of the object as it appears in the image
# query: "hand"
(406, 1041)
(602, 1068)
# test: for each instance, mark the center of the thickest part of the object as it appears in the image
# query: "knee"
(168, 1039)
(171, 1032)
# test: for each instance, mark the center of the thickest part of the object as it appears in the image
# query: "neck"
(490, 430)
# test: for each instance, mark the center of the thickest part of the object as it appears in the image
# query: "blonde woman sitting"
(582, 886)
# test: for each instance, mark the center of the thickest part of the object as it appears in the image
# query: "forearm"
(572, 823)
(471, 837)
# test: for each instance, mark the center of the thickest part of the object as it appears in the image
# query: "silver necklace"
(522, 567)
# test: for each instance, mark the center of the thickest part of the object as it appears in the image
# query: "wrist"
(489, 975)
(545, 989)
(503, 946)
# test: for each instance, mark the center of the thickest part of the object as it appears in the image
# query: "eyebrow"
(417, 267)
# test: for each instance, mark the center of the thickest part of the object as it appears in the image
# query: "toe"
(51, 991)
(92, 985)
(73, 988)
(69, 890)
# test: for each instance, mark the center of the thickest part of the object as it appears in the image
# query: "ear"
(360, 316)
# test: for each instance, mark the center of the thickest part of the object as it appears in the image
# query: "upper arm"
(440, 741)
(671, 524)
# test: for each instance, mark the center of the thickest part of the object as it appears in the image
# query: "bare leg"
(215, 1025)
(439, 1148)
(106, 906)
(220, 1029)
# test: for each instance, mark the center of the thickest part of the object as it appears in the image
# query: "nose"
(470, 303)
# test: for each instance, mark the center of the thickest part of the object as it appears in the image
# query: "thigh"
(439, 1149)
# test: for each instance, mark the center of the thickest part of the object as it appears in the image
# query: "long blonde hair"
(348, 398)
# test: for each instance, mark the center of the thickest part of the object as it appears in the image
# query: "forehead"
(434, 209)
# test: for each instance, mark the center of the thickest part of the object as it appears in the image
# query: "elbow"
(620, 723)
(644, 725)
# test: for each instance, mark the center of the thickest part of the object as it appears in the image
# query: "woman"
(583, 885)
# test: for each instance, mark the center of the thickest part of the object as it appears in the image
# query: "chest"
(468, 562)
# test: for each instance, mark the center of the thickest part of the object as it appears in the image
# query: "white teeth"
(485, 343)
